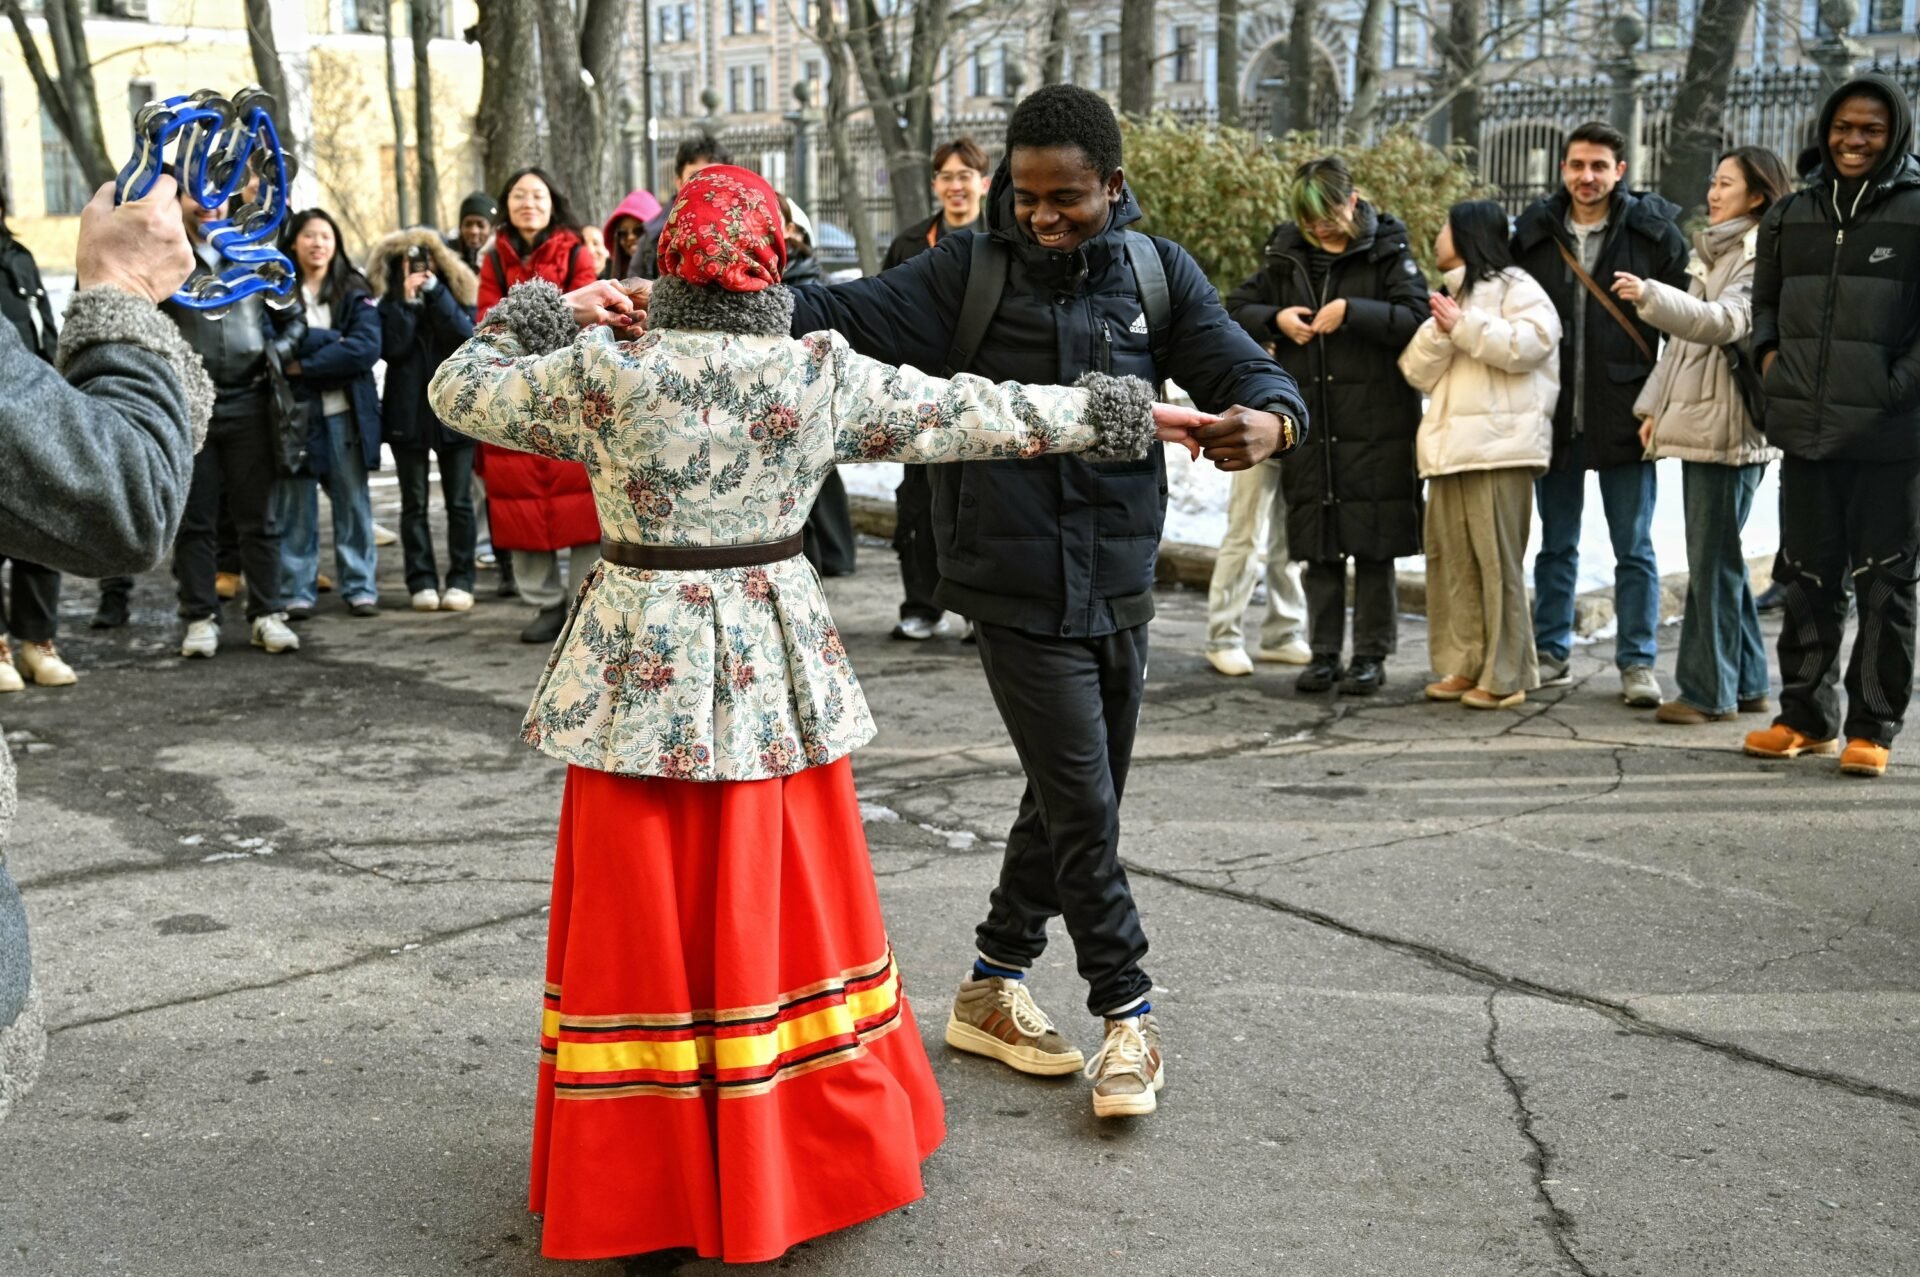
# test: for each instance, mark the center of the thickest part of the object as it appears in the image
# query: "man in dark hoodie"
(1054, 559)
(1836, 328)
(1593, 227)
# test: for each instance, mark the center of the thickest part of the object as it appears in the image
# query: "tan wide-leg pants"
(1479, 624)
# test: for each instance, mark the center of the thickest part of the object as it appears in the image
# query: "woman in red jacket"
(538, 506)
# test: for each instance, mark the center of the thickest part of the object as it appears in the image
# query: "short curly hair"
(1068, 115)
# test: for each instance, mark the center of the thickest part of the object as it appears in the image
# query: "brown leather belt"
(700, 558)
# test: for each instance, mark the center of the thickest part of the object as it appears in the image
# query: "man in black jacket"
(1054, 557)
(960, 184)
(1836, 328)
(1606, 355)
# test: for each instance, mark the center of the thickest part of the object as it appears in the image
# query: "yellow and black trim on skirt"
(738, 1052)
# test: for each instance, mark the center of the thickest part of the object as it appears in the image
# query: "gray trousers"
(1376, 622)
(1478, 621)
(542, 583)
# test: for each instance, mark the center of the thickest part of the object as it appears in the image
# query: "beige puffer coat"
(1696, 409)
(1492, 382)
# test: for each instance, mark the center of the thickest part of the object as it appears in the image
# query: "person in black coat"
(426, 296)
(31, 610)
(1340, 298)
(1603, 366)
(1054, 558)
(1836, 331)
(829, 537)
(960, 184)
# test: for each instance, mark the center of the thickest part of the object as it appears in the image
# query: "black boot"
(509, 589)
(1320, 675)
(111, 614)
(546, 624)
(1364, 676)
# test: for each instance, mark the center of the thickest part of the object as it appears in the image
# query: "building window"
(368, 17)
(734, 16)
(1186, 55)
(669, 32)
(757, 87)
(1555, 17)
(139, 93)
(135, 9)
(65, 188)
(757, 15)
(1663, 24)
(1886, 15)
(1109, 76)
(1406, 35)
(736, 89)
(1508, 20)
(982, 84)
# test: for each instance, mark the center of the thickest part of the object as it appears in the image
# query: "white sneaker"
(384, 536)
(1291, 652)
(45, 667)
(1231, 661)
(427, 600)
(10, 680)
(271, 633)
(456, 601)
(203, 638)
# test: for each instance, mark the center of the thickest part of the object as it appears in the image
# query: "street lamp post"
(1624, 69)
(647, 122)
(1837, 53)
(801, 183)
(629, 139)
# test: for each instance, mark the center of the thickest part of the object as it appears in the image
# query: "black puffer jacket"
(1353, 488)
(1054, 545)
(1601, 370)
(416, 337)
(1836, 291)
(23, 298)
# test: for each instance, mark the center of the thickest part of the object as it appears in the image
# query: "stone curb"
(1190, 565)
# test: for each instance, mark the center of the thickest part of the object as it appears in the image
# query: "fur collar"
(676, 304)
(453, 272)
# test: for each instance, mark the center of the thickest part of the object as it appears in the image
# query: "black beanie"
(479, 204)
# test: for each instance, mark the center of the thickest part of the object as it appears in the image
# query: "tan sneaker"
(1127, 1071)
(10, 680)
(43, 665)
(997, 1018)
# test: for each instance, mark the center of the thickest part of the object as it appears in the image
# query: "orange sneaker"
(1864, 758)
(1781, 741)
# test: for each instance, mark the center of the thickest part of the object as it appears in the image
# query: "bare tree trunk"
(1366, 76)
(267, 70)
(1226, 62)
(575, 121)
(930, 21)
(71, 98)
(1136, 57)
(1699, 103)
(1053, 65)
(399, 128)
(423, 19)
(1460, 55)
(1300, 50)
(909, 166)
(600, 43)
(852, 198)
(509, 85)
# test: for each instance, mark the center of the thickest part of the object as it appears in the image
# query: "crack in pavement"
(1557, 1221)
(291, 977)
(1830, 945)
(1621, 1013)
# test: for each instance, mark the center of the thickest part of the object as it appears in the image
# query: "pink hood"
(640, 205)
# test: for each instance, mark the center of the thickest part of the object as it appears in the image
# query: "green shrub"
(1220, 191)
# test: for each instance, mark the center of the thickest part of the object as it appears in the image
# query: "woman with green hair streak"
(1339, 298)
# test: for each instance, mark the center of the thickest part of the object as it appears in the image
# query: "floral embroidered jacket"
(710, 438)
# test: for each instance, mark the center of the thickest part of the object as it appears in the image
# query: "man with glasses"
(960, 186)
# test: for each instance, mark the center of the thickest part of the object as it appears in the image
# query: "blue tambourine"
(223, 144)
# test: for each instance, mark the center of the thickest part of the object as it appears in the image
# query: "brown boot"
(1781, 741)
(1864, 758)
(1682, 714)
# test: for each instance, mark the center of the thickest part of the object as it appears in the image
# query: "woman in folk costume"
(727, 1061)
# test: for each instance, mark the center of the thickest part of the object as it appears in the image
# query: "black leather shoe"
(112, 612)
(1772, 599)
(1319, 676)
(1364, 677)
(546, 625)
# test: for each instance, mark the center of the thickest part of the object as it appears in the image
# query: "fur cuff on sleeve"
(98, 316)
(1120, 410)
(536, 317)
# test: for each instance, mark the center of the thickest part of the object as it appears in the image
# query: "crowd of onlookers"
(1585, 337)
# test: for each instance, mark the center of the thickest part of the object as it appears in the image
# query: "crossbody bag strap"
(986, 280)
(1600, 295)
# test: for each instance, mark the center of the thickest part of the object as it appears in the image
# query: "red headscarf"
(725, 229)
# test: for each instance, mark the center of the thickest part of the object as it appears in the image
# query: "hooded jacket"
(23, 298)
(1056, 546)
(1601, 369)
(535, 503)
(416, 336)
(1352, 488)
(642, 208)
(1836, 295)
(1691, 398)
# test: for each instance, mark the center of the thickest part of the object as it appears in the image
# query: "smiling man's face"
(1858, 136)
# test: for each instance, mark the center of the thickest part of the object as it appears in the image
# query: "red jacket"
(534, 503)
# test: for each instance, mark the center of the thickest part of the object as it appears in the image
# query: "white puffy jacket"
(1492, 382)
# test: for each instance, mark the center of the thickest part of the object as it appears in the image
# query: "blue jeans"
(1627, 494)
(1723, 659)
(296, 510)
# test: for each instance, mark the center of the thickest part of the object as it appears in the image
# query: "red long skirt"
(727, 1061)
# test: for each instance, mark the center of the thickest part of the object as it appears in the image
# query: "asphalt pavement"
(1555, 991)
